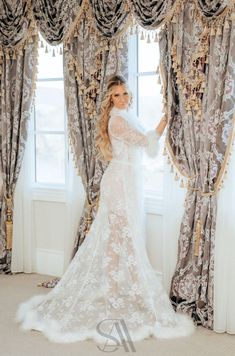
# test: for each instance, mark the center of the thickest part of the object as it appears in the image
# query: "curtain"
(15, 22)
(173, 209)
(224, 280)
(55, 19)
(23, 244)
(198, 72)
(109, 16)
(1, 185)
(151, 14)
(212, 8)
(18, 50)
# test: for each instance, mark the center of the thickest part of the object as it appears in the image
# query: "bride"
(110, 278)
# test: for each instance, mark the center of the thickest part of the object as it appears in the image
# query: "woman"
(110, 277)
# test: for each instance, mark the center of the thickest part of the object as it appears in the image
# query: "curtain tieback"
(90, 207)
(202, 193)
(9, 223)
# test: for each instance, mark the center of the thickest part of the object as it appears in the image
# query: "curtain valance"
(213, 7)
(56, 19)
(109, 16)
(15, 20)
(151, 13)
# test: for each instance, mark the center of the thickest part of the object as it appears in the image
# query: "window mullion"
(49, 132)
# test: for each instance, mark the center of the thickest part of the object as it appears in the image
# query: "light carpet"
(17, 288)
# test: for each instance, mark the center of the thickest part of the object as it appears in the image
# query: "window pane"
(49, 106)
(150, 100)
(150, 111)
(50, 158)
(148, 56)
(48, 66)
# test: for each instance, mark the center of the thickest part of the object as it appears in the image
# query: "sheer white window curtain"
(224, 290)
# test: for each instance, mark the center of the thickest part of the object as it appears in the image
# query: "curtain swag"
(57, 19)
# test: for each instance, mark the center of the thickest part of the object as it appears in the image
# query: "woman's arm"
(161, 126)
(123, 131)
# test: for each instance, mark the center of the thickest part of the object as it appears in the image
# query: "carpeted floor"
(17, 288)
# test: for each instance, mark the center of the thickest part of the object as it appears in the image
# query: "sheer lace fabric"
(110, 276)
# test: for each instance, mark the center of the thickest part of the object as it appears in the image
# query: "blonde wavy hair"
(103, 140)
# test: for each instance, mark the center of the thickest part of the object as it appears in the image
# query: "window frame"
(153, 199)
(58, 192)
(35, 132)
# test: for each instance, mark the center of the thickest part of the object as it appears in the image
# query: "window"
(50, 144)
(143, 63)
(49, 120)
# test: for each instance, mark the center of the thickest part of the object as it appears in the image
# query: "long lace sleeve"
(122, 130)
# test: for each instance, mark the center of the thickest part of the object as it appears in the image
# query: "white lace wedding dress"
(110, 278)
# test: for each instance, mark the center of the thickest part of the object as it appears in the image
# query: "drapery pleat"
(109, 16)
(151, 13)
(212, 8)
(198, 66)
(15, 18)
(55, 17)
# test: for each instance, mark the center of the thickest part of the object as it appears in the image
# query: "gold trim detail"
(9, 223)
(197, 238)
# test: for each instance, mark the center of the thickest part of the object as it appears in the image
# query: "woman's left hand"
(162, 124)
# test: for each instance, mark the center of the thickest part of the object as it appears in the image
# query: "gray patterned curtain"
(109, 16)
(112, 16)
(198, 70)
(18, 55)
(55, 18)
(15, 19)
(151, 14)
(213, 7)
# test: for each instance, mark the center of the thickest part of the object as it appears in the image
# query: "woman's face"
(120, 96)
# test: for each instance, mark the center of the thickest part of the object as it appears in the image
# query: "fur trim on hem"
(51, 329)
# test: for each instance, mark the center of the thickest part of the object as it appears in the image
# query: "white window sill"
(52, 194)
(153, 202)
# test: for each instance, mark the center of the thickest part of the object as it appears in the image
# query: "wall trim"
(153, 205)
(50, 195)
(49, 262)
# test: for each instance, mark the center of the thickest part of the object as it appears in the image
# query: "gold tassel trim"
(9, 224)
(90, 207)
(197, 238)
